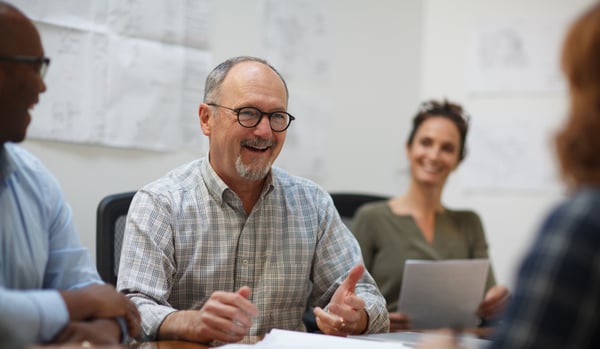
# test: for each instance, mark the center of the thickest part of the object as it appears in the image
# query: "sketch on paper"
(510, 152)
(502, 49)
(297, 38)
(121, 78)
(519, 55)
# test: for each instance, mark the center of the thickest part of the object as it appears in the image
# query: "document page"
(443, 293)
(284, 339)
(412, 339)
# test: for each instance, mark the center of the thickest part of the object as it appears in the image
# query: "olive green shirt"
(387, 240)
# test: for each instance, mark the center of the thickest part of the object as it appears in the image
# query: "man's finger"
(244, 291)
(244, 303)
(355, 302)
(353, 277)
(327, 322)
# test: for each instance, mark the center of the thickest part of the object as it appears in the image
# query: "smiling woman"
(416, 225)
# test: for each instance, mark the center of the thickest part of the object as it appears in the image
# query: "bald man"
(50, 290)
(228, 247)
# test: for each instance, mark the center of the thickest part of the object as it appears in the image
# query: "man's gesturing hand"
(346, 311)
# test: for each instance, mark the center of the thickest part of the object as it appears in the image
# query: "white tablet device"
(443, 293)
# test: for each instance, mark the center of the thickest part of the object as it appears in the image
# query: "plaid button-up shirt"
(187, 235)
(556, 303)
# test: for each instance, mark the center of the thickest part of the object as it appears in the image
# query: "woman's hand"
(443, 339)
(399, 321)
(494, 302)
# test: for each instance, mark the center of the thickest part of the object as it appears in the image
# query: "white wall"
(510, 218)
(374, 86)
(388, 55)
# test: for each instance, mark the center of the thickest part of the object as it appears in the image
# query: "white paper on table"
(444, 293)
(412, 339)
(284, 339)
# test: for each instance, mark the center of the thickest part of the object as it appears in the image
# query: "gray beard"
(249, 173)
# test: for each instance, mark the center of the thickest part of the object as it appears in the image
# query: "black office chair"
(110, 225)
(348, 203)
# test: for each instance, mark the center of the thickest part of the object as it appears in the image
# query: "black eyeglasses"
(250, 117)
(43, 62)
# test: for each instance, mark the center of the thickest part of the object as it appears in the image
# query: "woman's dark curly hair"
(452, 111)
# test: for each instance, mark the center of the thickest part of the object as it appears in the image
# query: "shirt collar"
(7, 163)
(215, 185)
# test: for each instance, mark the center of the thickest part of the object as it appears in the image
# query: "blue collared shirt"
(40, 251)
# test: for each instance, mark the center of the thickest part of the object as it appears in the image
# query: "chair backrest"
(348, 203)
(110, 225)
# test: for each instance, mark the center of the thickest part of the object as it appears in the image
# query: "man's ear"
(204, 113)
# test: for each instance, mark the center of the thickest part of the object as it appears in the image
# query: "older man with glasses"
(228, 247)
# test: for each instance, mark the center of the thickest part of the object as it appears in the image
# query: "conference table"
(141, 345)
(174, 344)
(168, 345)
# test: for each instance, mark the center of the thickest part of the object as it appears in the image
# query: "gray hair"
(215, 78)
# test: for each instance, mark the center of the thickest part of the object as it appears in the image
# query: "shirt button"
(245, 262)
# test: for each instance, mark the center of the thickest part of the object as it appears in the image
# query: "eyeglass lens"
(43, 68)
(250, 117)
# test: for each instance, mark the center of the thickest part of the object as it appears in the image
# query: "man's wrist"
(364, 320)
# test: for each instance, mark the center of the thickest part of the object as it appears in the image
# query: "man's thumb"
(353, 277)
(244, 291)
